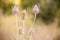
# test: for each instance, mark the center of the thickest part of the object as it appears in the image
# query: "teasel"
(23, 16)
(15, 11)
(23, 13)
(35, 11)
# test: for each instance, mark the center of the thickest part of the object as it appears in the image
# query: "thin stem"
(16, 26)
(34, 18)
(33, 25)
(23, 29)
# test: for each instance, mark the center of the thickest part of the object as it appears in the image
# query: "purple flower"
(35, 9)
(30, 31)
(15, 10)
(20, 31)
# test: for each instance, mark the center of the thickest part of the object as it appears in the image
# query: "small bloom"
(24, 11)
(23, 14)
(35, 9)
(30, 31)
(20, 31)
(15, 9)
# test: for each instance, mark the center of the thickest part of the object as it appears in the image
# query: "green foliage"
(29, 3)
(48, 13)
(58, 14)
(57, 3)
(7, 9)
(48, 16)
(1, 3)
(58, 11)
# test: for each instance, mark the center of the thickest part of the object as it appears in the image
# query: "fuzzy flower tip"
(20, 31)
(24, 11)
(30, 31)
(15, 9)
(23, 14)
(35, 9)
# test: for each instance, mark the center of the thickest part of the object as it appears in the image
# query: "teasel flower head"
(15, 9)
(35, 9)
(23, 14)
(20, 31)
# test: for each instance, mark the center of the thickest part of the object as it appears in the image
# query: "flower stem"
(16, 26)
(34, 18)
(33, 26)
(23, 30)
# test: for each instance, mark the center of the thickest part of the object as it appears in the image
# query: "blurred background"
(47, 22)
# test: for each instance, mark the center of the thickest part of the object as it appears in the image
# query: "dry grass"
(42, 31)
